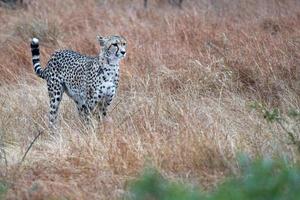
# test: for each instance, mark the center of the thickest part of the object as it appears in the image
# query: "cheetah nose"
(123, 52)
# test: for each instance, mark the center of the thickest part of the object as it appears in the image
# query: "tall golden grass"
(183, 102)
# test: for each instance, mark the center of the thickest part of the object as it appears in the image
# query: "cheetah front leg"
(101, 114)
(103, 99)
(101, 111)
(84, 113)
(102, 103)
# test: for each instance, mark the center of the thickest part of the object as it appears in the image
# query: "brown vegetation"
(183, 102)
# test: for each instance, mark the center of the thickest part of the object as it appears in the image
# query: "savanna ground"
(183, 105)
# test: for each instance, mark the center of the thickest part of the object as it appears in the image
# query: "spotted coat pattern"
(90, 81)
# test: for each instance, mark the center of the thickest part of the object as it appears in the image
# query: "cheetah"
(90, 81)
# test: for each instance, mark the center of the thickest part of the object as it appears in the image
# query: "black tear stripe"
(117, 48)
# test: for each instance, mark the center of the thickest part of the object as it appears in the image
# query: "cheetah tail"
(36, 57)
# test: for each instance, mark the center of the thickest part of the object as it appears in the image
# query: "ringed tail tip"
(35, 41)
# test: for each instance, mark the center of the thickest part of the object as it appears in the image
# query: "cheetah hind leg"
(55, 91)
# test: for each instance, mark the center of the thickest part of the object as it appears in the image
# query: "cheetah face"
(114, 47)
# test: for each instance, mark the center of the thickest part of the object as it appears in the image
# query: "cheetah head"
(113, 47)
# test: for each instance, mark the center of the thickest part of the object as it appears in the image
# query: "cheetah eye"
(115, 44)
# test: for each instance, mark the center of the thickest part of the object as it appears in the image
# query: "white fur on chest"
(107, 89)
(107, 83)
(109, 73)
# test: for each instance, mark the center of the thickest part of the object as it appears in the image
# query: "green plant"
(151, 185)
(264, 179)
(11, 3)
(3, 189)
(289, 122)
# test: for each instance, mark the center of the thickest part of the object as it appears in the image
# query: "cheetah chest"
(106, 90)
(106, 86)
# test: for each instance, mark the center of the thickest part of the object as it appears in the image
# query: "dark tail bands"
(36, 57)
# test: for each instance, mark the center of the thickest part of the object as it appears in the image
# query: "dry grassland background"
(183, 105)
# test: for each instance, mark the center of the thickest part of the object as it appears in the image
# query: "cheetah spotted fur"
(90, 81)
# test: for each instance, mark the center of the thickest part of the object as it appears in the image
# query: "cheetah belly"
(76, 93)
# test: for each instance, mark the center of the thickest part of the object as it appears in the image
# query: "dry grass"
(183, 102)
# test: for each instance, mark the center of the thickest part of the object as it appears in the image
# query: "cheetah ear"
(101, 40)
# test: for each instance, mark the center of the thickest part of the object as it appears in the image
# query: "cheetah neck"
(108, 68)
(108, 61)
